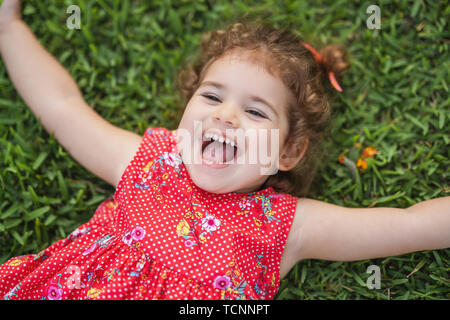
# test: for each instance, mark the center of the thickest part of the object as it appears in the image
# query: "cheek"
(265, 149)
(188, 118)
(271, 142)
(195, 110)
(184, 117)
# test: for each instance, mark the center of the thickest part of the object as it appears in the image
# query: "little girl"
(188, 220)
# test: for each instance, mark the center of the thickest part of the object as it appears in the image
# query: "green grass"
(124, 59)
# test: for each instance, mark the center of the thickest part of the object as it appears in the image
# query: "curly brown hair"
(285, 57)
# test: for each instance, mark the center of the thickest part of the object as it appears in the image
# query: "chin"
(206, 183)
(210, 184)
(210, 187)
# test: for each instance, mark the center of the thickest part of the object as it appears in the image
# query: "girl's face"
(239, 100)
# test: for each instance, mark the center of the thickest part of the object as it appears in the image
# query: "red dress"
(162, 237)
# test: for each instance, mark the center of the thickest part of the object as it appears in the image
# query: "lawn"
(125, 57)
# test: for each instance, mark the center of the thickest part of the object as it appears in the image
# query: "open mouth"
(217, 149)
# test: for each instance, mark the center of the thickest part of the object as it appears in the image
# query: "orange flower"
(341, 159)
(361, 164)
(369, 152)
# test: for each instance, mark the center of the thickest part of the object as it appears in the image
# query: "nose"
(227, 114)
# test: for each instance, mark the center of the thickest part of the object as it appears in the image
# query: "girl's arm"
(53, 96)
(329, 232)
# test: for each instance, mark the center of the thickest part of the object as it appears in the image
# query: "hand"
(9, 12)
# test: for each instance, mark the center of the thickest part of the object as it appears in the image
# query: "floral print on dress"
(139, 266)
(131, 237)
(187, 227)
(54, 291)
(41, 255)
(155, 175)
(78, 233)
(99, 243)
(210, 223)
(263, 204)
(244, 206)
(17, 261)
(173, 159)
(12, 292)
(97, 279)
(187, 230)
(143, 180)
(261, 286)
(232, 284)
(222, 282)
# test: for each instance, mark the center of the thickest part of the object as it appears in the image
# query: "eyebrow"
(254, 98)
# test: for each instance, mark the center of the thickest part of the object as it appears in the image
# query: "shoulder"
(141, 146)
(305, 207)
(309, 211)
(293, 240)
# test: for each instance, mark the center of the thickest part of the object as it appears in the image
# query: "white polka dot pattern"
(162, 237)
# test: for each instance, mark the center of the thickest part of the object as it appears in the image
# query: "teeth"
(209, 136)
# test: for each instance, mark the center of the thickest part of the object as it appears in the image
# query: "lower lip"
(214, 165)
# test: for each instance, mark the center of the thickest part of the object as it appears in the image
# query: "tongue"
(218, 152)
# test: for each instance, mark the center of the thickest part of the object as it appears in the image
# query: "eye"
(256, 113)
(211, 97)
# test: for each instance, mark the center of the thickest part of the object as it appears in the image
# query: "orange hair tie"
(321, 61)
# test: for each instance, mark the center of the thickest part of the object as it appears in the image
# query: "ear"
(291, 155)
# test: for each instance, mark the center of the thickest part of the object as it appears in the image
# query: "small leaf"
(40, 158)
(417, 268)
(36, 213)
